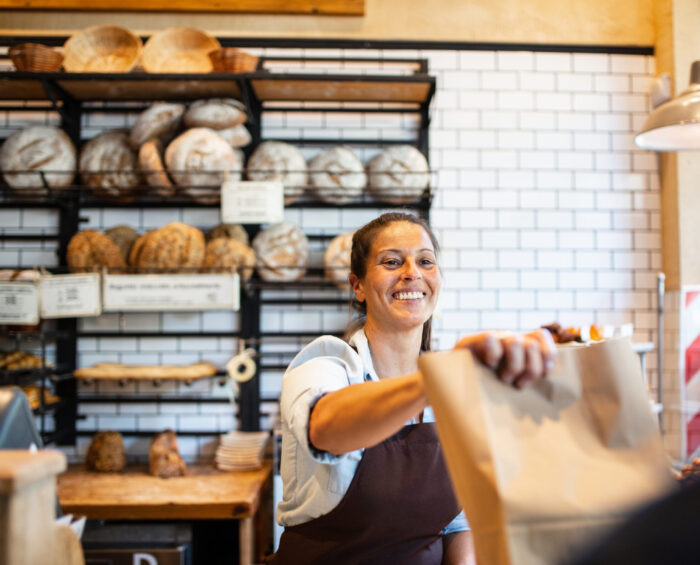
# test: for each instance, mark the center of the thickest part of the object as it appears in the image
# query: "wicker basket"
(179, 50)
(232, 60)
(102, 49)
(35, 57)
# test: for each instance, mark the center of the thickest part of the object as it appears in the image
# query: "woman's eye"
(391, 262)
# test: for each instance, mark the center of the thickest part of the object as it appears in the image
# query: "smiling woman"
(358, 439)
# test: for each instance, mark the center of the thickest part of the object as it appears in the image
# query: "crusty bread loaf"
(337, 260)
(230, 231)
(171, 248)
(277, 160)
(215, 113)
(91, 250)
(38, 148)
(106, 453)
(136, 247)
(225, 255)
(124, 236)
(109, 165)
(151, 166)
(337, 175)
(399, 174)
(282, 252)
(237, 136)
(160, 120)
(201, 160)
(164, 458)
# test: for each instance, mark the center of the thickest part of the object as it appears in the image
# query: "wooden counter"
(205, 493)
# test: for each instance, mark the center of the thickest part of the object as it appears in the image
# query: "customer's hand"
(517, 359)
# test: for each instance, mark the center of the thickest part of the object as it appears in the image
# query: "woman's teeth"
(408, 295)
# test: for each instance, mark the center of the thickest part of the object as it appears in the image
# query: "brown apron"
(393, 512)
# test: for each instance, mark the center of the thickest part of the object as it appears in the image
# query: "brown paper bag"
(544, 471)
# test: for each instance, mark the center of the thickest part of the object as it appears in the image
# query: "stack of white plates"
(241, 451)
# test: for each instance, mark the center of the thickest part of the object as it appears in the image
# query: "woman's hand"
(517, 359)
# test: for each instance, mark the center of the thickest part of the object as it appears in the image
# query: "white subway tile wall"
(545, 210)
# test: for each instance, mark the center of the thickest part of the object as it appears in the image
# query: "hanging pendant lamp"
(675, 125)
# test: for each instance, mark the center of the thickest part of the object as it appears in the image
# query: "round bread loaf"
(124, 236)
(399, 174)
(337, 260)
(151, 165)
(201, 160)
(277, 160)
(164, 458)
(215, 113)
(161, 120)
(337, 175)
(109, 164)
(38, 148)
(106, 453)
(171, 248)
(230, 231)
(90, 250)
(237, 136)
(224, 255)
(136, 247)
(282, 251)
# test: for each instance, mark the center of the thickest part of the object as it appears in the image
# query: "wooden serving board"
(206, 493)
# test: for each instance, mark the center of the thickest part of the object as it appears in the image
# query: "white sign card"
(139, 293)
(19, 303)
(70, 296)
(252, 202)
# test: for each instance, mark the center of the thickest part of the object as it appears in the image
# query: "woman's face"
(402, 282)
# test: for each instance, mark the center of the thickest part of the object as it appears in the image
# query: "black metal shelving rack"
(72, 95)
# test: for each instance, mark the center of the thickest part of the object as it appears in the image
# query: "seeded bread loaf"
(91, 250)
(225, 255)
(171, 248)
(124, 236)
(230, 231)
(106, 453)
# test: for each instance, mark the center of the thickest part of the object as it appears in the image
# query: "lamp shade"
(675, 125)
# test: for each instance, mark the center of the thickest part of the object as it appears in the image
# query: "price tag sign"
(70, 296)
(140, 293)
(19, 303)
(252, 202)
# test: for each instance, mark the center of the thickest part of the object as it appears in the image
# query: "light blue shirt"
(315, 481)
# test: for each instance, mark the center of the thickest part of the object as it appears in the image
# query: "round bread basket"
(102, 49)
(179, 50)
(35, 57)
(232, 60)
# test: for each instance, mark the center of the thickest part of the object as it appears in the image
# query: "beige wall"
(610, 22)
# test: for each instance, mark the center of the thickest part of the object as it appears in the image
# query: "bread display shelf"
(267, 87)
(122, 372)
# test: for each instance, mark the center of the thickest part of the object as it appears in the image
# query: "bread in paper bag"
(545, 471)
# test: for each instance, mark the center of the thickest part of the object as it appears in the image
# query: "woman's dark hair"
(361, 247)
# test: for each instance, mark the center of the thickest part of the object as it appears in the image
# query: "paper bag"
(545, 471)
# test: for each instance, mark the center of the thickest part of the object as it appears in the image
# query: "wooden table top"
(205, 493)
